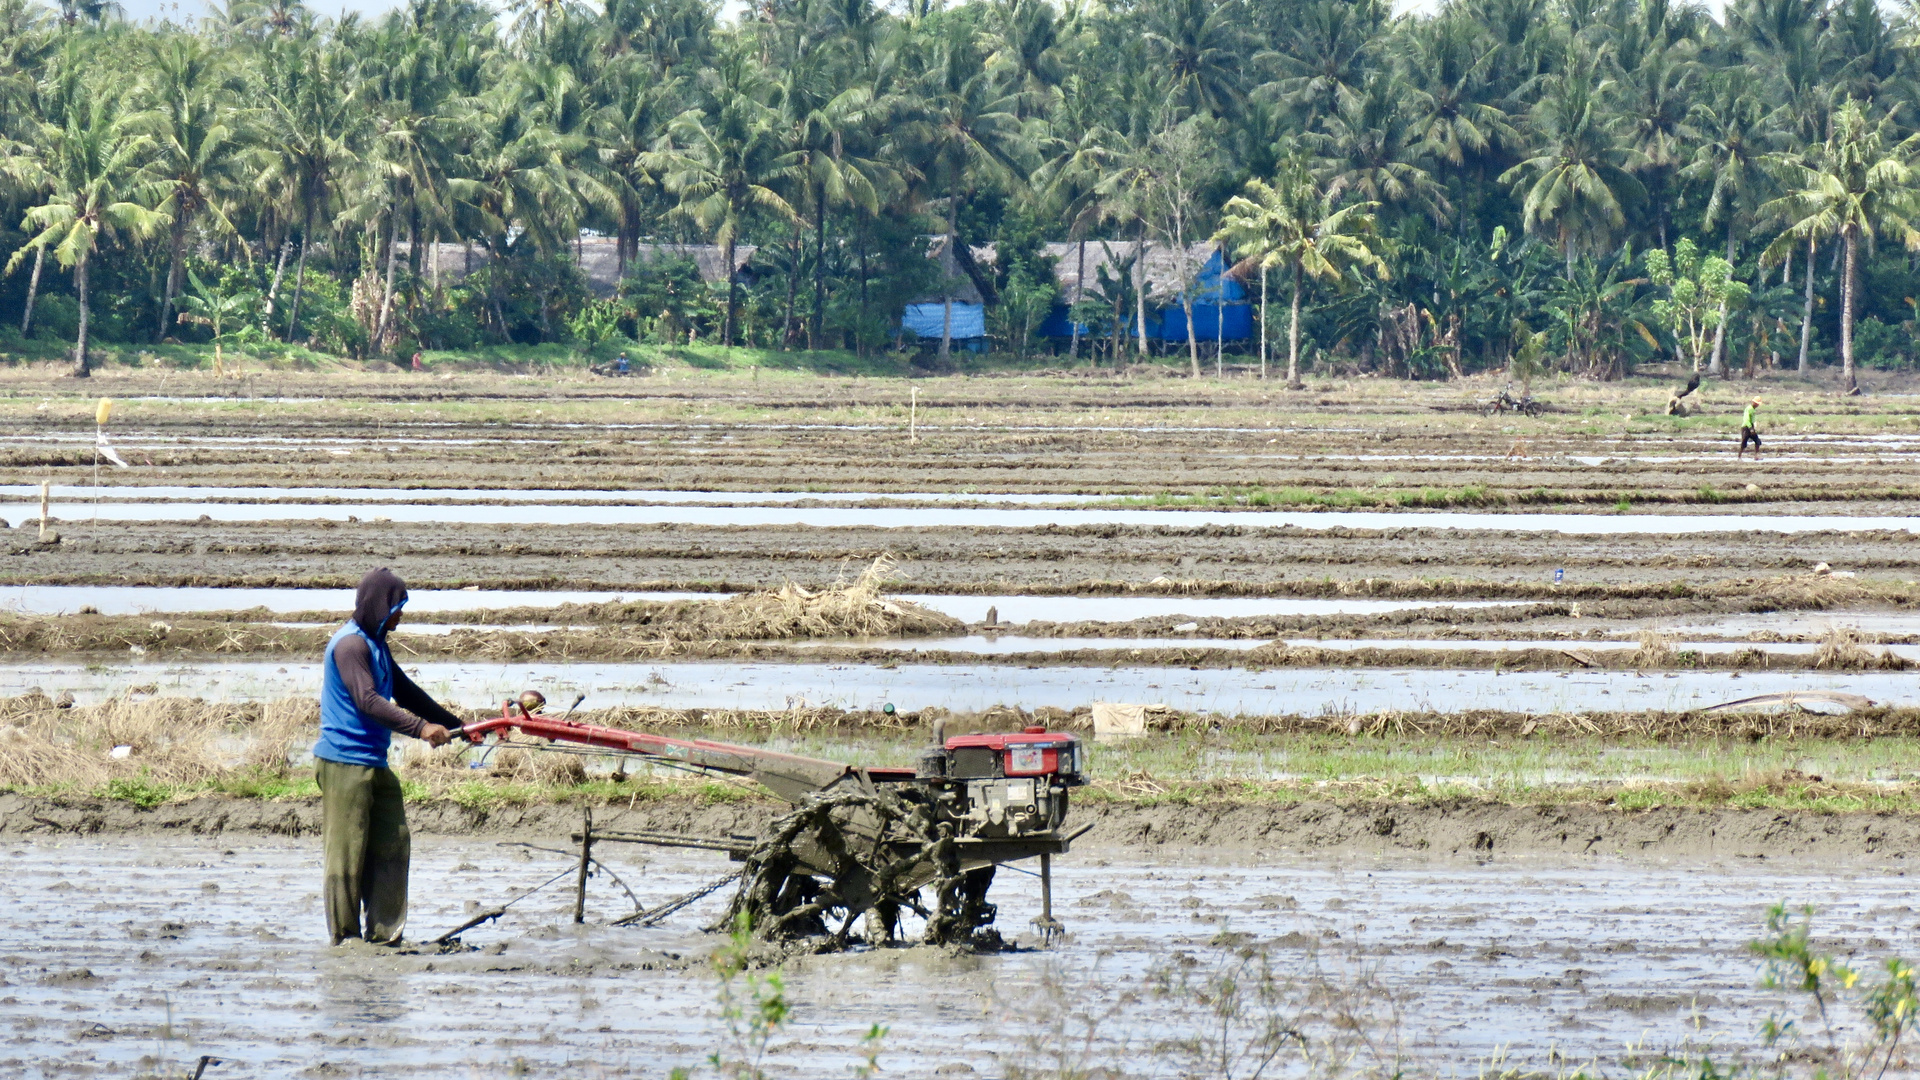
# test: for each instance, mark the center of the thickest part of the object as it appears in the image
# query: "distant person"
(364, 699)
(417, 365)
(1749, 430)
(620, 365)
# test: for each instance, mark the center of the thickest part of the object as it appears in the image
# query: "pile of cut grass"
(1842, 650)
(166, 741)
(856, 609)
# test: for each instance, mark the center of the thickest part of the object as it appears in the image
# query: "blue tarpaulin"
(1163, 324)
(1169, 323)
(926, 320)
(1207, 323)
(1058, 325)
(1214, 292)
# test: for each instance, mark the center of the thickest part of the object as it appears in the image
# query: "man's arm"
(410, 697)
(355, 662)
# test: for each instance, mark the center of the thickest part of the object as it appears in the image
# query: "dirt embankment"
(1218, 560)
(1458, 828)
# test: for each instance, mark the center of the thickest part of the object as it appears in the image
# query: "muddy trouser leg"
(1748, 435)
(364, 835)
(389, 852)
(346, 802)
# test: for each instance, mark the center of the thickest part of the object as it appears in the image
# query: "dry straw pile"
(1654, 651)
(1843, 650)
(852, 610)
(168, 740)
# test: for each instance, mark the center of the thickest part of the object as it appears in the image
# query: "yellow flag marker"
(104, 412)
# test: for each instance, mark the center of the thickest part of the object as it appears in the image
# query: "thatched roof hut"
(597, 256)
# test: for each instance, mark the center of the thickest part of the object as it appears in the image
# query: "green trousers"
(363, 830)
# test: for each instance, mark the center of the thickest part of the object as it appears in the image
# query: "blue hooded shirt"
(349, 736)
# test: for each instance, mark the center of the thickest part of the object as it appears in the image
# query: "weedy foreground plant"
(753, 1010)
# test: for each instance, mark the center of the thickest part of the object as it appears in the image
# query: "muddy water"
(827, 517)
(972, 688)
(1020, 609)
(140, 599)
(1006, 644)
(1003, 644)
(114, 946)
(75, 493)
(1798, 624)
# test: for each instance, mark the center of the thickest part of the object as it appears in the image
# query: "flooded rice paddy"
(1223, 692)
(1014, 644)
(140, 954)
(909, 517)
(139, 600)
(85, 495)
(144, 600)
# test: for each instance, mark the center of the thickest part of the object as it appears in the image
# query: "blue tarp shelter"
(927, 320)
(1216, 295)
(1220, 308)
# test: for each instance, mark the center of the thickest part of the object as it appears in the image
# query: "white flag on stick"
(107, 451)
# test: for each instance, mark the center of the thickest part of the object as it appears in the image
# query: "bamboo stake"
(586, 860)
(913, 415)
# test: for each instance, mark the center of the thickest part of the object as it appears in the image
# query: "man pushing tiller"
(364, 699)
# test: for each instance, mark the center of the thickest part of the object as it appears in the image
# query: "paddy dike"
(1088, 559)
(1454, 828)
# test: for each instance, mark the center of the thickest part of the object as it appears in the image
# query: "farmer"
(620, 365)
(1749, 433)
(364, 699)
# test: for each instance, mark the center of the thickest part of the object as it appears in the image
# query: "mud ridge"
(1464, 828)
(1487, 829)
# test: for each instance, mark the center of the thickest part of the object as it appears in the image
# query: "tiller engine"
(862, 842)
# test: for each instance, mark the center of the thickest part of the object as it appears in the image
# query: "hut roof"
(599, 259)
(1163, 271)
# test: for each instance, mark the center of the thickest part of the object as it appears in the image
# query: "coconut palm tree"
(313, 135)
(92, 165)
(1326, 57)
(818, 117)
(200, 143)
(1203, 45)
(1856, 189)
(1453, 116)
(727, 164)
(1374, 152)
(1293, 225)
(629, 127)
(1578, 184)
(1030, 42)
(1734, 140)
(522, 174)
(1657, 95)
(966, 130)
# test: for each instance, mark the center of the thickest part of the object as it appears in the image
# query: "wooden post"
(1048, 926)
(913, 415)
(586, 860)
(46, 493)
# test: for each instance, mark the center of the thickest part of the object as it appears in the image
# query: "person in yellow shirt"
(1749, 431)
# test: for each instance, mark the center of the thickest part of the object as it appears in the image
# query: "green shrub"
(142, 790)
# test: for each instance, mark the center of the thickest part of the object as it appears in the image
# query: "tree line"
(1527, 184)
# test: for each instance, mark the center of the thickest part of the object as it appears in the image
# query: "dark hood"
(379, 593)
